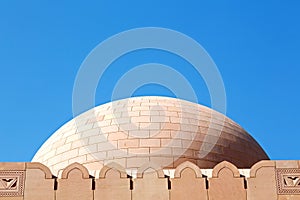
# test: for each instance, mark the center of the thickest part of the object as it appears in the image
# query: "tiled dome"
(139, 131)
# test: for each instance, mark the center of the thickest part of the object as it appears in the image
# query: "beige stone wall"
(266, 180)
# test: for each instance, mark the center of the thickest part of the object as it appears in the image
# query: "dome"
(156, 131)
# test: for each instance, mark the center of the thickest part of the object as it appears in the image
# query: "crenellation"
(34, 181)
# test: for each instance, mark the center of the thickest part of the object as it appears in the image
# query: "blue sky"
(255, 45)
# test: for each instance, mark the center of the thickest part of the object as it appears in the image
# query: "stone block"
(75, 184)
(129, 143)
(113, 186)
(39, 183)
(226, 183)
(188, 183)
(150, 187)
(262, 181)
(149, 142)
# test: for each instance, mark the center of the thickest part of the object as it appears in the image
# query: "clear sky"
(255, 45)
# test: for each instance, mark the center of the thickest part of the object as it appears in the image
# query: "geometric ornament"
(11, 183)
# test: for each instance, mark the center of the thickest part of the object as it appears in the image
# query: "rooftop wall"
(267, 180)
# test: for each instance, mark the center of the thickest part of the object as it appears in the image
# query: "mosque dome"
(160, 131)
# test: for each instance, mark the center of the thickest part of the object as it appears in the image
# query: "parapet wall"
(267, 180)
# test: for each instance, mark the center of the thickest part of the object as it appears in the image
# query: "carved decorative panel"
(288, 181)
(11, 183)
